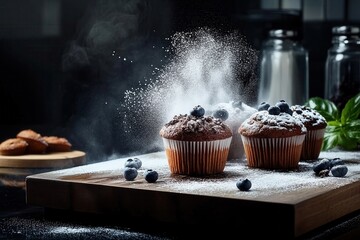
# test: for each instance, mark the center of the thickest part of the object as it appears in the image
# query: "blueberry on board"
(198, 111)
(151, 175)
(135, 163)
(274, 110)
(335, 162)
(324, 164)
(138, 162)
(284, 107)
(339, 170)
(243, 184)
(221, 113)
(130, 173)
(263, 106)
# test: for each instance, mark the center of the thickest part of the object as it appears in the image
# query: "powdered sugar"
(189, 123)
(308, 116)
(238, 112)
(205, 68)
(265, 183)
(262, 121)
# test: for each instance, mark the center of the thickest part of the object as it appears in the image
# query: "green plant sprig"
(343, 129)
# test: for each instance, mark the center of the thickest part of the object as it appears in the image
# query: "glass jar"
(284, 68)
(342, 68)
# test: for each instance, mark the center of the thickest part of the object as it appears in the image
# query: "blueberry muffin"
(316, 125)
(273, 138)
(196, 144)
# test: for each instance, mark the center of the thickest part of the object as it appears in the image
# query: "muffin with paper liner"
(196, 144)
(315, 124)
(273, 139)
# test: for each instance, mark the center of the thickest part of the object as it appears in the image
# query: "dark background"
(62, 62)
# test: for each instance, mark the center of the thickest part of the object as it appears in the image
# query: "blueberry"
(221, 113)
(274, 110)
(135, 163)
(335, 162)
(339, 170)
(284, 107)
(151, 175)
(324, 164)
(198, 111)
(243, 184)
(138, 161)
(263, 106)
(130, 173)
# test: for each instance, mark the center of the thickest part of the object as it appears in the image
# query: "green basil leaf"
(345, 142)
(351, 110)
(335, 130)
(354, 123)
(325, 107)
(352, 130)
(342, 130)
(354, 135)
(333, 124)
(330, 141)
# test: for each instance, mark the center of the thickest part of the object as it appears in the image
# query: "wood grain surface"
(287, 208)
(46, 160)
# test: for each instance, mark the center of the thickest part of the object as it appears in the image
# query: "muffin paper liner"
(197, 157)
(312, 144)
(273, 153)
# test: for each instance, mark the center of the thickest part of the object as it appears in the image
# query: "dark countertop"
(20, 221)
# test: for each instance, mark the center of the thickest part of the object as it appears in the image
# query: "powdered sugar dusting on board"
(264, 182)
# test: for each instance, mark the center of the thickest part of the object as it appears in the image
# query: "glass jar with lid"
(283, 69)
(342, 68)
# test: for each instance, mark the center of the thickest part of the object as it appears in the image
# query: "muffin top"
(13, 143)
(29, 134)
(262, 124)
(311, 118)
(56, 140)
(195, 127)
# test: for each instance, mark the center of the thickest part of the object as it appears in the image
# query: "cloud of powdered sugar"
(205, 68)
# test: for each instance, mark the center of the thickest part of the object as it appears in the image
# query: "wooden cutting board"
(46, 160)
(290, 204)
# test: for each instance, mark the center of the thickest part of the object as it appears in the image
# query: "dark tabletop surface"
(21, 221)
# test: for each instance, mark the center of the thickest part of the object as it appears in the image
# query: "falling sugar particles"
(205, 68)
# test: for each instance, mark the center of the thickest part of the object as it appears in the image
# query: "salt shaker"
(284, 68)
(342, 68)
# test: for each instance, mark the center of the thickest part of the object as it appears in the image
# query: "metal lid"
(282, 33)
(346, 35)
(346, 30)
